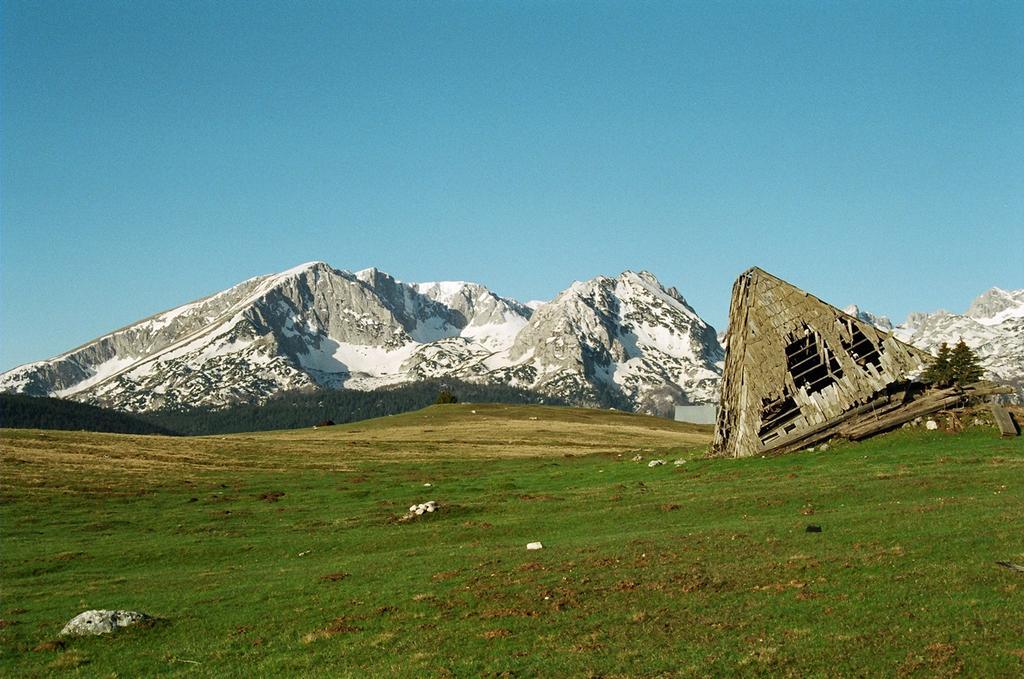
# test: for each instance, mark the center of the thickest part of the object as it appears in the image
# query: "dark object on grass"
(1011, 566)
(811, 528)
(325, 423)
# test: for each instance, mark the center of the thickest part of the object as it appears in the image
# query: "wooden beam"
(1007, 427)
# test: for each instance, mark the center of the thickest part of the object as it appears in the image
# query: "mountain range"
(626, 342)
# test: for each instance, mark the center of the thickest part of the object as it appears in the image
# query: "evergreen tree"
(939, 371)
(963, 365)
(446, 397)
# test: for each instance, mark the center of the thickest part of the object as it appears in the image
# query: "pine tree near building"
(963, 365)
(939, 371)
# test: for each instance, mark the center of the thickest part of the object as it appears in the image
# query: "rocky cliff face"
(625, 341)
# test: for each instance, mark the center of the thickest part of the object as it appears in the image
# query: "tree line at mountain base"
(287, 411)
(37, 412)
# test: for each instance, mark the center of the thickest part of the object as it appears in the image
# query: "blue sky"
(152, 153)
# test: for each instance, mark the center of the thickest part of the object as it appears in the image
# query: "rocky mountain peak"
(996, 305)
(881, 322)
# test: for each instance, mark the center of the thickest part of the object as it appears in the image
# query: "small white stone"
(412, 508)
(431, 508)
(534, 545)
(419, 511)
(931, 425)
(679, 462)
(427, 485)
(655, 463)
(823, 448)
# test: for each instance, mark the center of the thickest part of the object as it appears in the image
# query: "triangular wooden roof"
(794, 363)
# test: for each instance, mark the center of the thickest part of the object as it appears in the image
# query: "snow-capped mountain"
(993, 326)
(880, 322)
(626, 341)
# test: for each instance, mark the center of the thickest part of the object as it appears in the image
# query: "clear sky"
(155, 152)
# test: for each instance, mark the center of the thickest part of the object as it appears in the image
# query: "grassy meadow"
(281, 553)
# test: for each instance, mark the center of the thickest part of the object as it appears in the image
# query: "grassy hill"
(280, 553)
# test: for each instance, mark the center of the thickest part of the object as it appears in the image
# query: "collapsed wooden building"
(799, 371)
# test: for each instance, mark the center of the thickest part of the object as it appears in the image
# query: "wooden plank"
(1007, 427)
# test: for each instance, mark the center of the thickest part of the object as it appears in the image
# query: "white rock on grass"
(931, 425)
(655, 463)
(102, 622)
(638, 458)
(534, 545)
(427, 507)
(679, 462)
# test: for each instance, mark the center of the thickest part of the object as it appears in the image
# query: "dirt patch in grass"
(272, 496)
(444, 575)
(496, 633)
(937, 660)
(334, 577)
(55, 645)
(509, 613)
(340, 625)
(68, 660)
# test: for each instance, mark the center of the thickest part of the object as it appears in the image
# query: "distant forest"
(288, 411)
(34, 412)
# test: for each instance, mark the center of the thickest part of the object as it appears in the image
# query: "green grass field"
(279, 554)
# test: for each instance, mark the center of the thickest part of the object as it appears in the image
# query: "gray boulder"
(102, 622)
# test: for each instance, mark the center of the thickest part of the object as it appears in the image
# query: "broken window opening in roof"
(776, 414)
(861, 349)
(811, 364)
